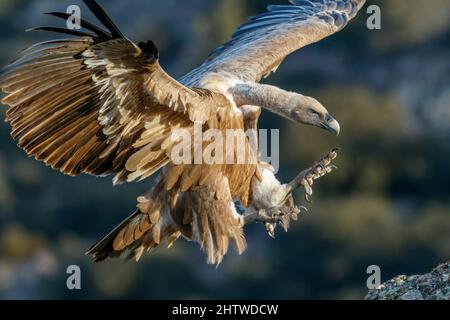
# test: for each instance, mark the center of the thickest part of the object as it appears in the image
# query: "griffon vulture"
(101, 105)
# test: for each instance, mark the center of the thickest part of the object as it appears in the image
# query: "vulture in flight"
(99, 104)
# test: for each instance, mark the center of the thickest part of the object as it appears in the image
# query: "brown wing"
(260, 46)
(89, 104)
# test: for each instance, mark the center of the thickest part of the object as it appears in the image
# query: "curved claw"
(307, 187)
(336, 149)
(307, 198)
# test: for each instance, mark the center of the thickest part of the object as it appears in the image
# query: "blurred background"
(387, 205)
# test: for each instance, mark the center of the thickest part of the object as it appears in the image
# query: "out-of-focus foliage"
(388, 204)
(413, 22)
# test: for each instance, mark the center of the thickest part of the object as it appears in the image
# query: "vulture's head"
(309, 111)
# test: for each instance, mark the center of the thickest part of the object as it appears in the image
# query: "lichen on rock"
(431, 286)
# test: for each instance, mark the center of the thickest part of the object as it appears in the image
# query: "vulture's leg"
(251, 118)
(282, 207)
(286, 209)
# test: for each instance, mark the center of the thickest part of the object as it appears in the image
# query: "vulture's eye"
(314, 113)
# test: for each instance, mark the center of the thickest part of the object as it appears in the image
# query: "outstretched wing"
(92, 103)
(260, 46)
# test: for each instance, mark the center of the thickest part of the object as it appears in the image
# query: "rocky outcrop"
(431, 286)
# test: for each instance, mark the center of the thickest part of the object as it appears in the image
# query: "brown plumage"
(89, 107)
(102, 105)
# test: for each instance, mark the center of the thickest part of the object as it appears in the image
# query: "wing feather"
(259, 46)
(97, 104)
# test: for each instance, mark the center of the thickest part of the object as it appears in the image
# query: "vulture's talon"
(308, 188)
(287, 210)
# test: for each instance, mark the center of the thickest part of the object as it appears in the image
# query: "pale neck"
(267, 97)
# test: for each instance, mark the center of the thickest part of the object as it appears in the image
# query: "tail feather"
(146, 229)
(104, 248)
(205, 214)
(125, 240)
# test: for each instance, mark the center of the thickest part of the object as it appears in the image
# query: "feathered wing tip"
(66, 114)
(35, 51)
(101, 15)
(70, 32)
(95, 32)
(84, 24)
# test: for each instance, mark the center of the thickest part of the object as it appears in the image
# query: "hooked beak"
(330, 124)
